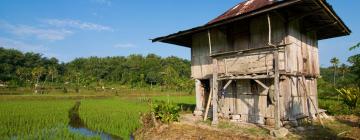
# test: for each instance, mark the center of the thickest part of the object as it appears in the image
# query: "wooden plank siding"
(241, 52)
(201, 63)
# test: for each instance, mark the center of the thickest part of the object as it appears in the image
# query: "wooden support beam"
(266, 91)
(245, 77)
(261, 84)
(276, 78)
(215, 91)
(209, 37)
(277, 90)
(198, 92)
(250, 51)
(227, 84)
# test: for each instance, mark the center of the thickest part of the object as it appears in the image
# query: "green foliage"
(166, 112)
(355, 47)
(350, 96)
(355, 61)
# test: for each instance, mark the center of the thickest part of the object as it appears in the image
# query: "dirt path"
(190, 128)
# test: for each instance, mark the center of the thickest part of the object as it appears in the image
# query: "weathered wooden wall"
(251, 101)
(243, 49)
(200, 60)
(249, 63)
(302, 54)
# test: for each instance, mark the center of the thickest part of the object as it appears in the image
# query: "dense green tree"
(135, 70)
(343, 69)
(355, 61)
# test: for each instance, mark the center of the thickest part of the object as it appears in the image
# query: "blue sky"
(67, 29)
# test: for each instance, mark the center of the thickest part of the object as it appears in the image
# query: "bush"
(334, 107)
(166, 112)
(350, 96)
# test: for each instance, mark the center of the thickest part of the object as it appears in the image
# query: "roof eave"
(328, 8)
(222, 22)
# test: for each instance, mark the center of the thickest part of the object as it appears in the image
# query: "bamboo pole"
(312, 102)
(208, 106)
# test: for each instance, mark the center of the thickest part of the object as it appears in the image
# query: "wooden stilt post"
(277, 90)
(198, 91)
(215, 93)
(276, 79)
(214, 88)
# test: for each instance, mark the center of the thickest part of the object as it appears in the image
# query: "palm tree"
(36, 73)
(343, 69)
(335, 62)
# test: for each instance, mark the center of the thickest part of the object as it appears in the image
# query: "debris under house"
(258, 62)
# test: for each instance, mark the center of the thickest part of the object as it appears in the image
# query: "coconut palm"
(343, 69)
(335, 62)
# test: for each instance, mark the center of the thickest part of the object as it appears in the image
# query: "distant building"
(2, 84)
(260, 59)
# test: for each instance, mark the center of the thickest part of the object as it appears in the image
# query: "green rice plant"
(176, 99)
(186, 103)
(29, 119)
(115, 116)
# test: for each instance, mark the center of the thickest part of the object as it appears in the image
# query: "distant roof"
(251, 8)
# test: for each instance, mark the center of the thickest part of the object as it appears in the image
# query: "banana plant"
(350, 95)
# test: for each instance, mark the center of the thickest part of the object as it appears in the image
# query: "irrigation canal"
(76, 125)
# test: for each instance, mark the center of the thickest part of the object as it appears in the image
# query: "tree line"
(33, 70)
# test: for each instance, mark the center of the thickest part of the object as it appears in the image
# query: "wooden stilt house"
(259, 61)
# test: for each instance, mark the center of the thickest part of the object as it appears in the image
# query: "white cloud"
(77, 24)
(40, 33)
(126, 45)
(19, 45)
(44, 34)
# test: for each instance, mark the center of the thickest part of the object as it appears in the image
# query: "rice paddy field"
(36, 120)
(50, 116)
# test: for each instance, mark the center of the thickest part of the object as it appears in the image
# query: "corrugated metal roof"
(242, 8)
